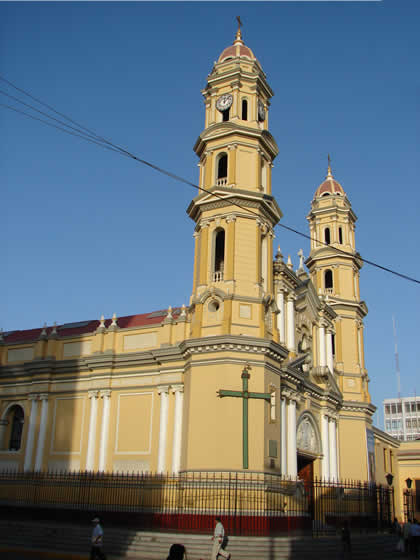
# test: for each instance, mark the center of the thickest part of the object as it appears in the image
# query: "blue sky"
(86, 231)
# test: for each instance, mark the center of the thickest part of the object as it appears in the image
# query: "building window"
(387, 409)
(219, 255)
(333, 344)
(214, 306)
(327, 235)
(222, 168)
(225, 115)
(15, 419)
(244, 110)
(340, 235)
(328, 279)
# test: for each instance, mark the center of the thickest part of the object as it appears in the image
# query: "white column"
(325, 448)
(337, 447)
(291, 438)
(178, 390)
(290, 323)
(42, 432)
(106, 396)
(333, 449)
(330, 357)
(283, 440)
(322, 346)
(163, 427)
(90, 455)
(27, 466)
(281, 324)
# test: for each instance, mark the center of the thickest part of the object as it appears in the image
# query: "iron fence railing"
(250, 503)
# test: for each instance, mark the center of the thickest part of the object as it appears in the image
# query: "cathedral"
(262, 370)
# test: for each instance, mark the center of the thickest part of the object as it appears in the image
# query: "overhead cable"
(86, 134)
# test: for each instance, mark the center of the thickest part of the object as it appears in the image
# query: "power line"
(94, 138)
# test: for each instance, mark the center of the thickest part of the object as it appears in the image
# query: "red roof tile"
(143, 320)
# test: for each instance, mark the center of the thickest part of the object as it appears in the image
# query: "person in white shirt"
(218, 538)
(97, 540)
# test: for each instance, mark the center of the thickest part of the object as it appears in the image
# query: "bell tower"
(334, 267)
(235, 213)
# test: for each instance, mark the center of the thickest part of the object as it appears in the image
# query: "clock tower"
(235, 212)
(233, 338)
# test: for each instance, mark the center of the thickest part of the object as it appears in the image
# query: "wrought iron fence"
(409, 505)
(250, 503)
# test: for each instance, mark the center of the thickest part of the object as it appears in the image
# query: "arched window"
(327, 235)
(244, 110)
(219, 255)
(225, 115)
(15, 418)
(222, 168)
(340, 235)
(328, 279)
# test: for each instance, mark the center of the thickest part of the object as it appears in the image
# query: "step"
(128, 543)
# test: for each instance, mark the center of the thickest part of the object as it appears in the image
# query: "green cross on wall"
(245, 395)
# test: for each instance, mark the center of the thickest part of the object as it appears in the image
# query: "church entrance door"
(305, 467)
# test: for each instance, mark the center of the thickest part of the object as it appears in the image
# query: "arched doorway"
(308, 446)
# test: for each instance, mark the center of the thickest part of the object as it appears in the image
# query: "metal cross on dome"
(245, 395)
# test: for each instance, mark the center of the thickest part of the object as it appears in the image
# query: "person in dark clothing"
(345, 540)
(176, 552)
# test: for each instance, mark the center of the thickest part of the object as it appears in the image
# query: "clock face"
(261, 111)
(224, 102)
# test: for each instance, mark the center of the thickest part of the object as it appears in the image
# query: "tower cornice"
(222, 130)
(237, 73)
(264, 203)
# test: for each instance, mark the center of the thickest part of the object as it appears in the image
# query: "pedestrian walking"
(345, 540)
(218, 541)
(97, 540)
(407, 537)
(415, 536)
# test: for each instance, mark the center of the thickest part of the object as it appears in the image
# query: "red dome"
(236, 50)
(329, 186)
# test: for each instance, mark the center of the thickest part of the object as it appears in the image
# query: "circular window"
(214, 306)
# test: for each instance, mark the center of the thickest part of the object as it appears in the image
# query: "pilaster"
(163, 391)
(39, 459)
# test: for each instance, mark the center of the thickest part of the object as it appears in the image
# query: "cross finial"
(238, 33)
(329, 173)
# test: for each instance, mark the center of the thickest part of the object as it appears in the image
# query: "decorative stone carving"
(306, 437)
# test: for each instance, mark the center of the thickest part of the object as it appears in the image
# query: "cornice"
(266, 204)
(357, 406)
(222, 130)
(233, 343)
(338, 304)
(387, 438)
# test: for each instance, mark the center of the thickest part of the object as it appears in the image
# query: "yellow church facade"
(262, 370)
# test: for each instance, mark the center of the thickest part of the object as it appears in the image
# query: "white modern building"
(402, 417)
